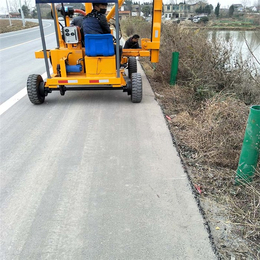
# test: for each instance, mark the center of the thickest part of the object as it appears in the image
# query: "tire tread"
(33, 92)
(137, 90)
(132, 66)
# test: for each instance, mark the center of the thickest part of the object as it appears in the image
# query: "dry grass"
(208, 110)
(136, 25)
(218, 131)
(234, 209)
(16, 25)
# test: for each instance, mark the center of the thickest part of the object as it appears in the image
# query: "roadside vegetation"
(211, 22)
(249, 23)
(207, 111)
(16, 25)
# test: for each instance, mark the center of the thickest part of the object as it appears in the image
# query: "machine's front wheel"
(35, 89)
(132, 66)
(137, 88)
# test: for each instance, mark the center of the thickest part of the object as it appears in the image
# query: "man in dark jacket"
(132, 42)
(96, 22)
(77, 21)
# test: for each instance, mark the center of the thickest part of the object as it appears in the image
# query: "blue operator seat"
(99, 45)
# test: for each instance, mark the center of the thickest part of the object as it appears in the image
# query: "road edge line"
(14, 99)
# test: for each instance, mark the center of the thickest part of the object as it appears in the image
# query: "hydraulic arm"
(150, 47)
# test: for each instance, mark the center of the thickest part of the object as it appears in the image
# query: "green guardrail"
(174, 67)
(250, 148)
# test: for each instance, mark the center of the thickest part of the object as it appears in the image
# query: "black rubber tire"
(33, 89)
(137, 88)
(132, 66)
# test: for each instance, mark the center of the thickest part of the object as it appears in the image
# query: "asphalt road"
(90, 175)
(17, 59)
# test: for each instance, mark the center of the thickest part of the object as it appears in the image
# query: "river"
(240, 40)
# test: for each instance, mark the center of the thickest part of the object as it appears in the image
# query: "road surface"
(90, 175)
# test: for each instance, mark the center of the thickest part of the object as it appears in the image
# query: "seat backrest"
(99, 45)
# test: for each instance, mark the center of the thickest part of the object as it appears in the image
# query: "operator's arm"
(75, 21)
(136, 46)
(104, 24)
(72, 22)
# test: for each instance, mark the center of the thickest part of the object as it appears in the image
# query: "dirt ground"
(231, 213)
(16, 25)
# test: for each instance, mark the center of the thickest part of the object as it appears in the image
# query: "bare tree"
(257, 4)
(14, 5)
(245, 3)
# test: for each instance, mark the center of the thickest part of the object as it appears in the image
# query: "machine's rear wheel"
(35, 89)
(137, 88)
(132, 66)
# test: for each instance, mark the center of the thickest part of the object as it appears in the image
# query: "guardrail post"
(250, 148)
(174, 68)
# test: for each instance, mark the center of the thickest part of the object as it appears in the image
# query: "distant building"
(123, 13)
(136, 10)
(253, 9)
(238, 8)
(181, 10)
(15, 15)
(3, 15)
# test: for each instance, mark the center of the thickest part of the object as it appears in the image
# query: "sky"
(223, 3)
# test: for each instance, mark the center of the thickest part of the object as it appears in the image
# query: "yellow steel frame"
(98, 70)
(75, 79)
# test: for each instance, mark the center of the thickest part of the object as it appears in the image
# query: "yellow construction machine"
(91, 63)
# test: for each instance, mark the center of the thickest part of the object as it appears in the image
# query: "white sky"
(223, 3)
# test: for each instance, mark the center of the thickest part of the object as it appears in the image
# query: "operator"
(77, 21)
(132, 42)
(95, 22)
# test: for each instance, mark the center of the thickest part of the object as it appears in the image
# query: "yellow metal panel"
(88, 8)
(154, 56)
(135, 52)
(100, 66)
(153, 45)
(79, 80)
(63, 68)
(67, 19)
(40, 54)
(124, 59)
(156, 30)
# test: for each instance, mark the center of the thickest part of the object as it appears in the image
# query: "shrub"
(204, 19)
(136, 25)
(207, 67)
